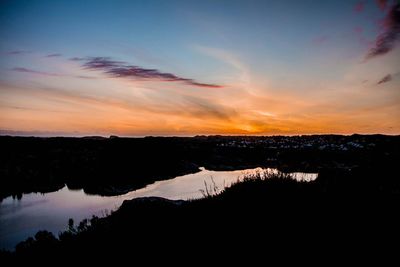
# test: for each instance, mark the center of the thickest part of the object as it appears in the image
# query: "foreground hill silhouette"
(267, 207)
(356, 195)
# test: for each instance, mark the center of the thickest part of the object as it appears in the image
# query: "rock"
(150, 201)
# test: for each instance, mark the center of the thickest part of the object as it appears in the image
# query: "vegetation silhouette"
(262, 205)
(357, 188)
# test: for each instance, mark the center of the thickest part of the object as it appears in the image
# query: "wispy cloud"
(386, 41)
(18, 52)
(54, 55)
(201, 107)
(264, 113)
(45, 73)
(25, 70)
(120, 69)
(385, 79)
(243, 73)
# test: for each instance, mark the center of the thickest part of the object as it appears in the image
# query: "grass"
(259, 184)
(211, 190)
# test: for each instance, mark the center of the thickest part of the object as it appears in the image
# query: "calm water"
(20, 219)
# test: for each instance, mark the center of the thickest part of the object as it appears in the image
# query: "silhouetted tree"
(71, 225)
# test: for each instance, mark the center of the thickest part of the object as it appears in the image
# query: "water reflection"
(20, 218)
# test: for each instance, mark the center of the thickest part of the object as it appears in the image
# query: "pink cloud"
(388, 38)
(119, 69)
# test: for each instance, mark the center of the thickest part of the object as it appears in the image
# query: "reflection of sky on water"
(51, 211)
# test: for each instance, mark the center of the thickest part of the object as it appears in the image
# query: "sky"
(183, 68)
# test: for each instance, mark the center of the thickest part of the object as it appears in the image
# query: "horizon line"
(66, 135)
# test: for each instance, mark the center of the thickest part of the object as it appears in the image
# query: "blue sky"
(306, 60)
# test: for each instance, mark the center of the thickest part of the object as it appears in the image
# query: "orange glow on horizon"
(247, 104)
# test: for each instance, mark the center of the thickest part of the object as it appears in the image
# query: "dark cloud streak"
(18, 52)
(77, 58)
(102, 63)
(54, 55)
(385, 79)
(120, 69)
(386, 41)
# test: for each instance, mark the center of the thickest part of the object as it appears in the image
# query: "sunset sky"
(135, 68)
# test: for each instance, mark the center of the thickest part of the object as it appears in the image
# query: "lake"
(22, 218)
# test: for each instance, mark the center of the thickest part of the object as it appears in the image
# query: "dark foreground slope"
(262, 211)
(112, 166)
